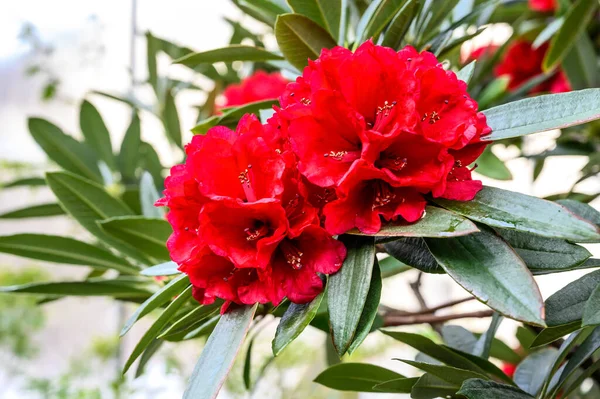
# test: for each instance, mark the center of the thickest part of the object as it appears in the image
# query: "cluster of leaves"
(491, 246)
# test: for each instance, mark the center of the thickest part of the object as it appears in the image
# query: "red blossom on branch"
(259, 86)
(542, 5)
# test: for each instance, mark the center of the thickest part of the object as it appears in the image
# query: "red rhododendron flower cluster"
(259, 86)
(542, 5)
(377, 129)
(359, 138)
(522, 62)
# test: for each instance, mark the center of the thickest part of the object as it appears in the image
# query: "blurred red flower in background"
(259, 86)
(542, 5)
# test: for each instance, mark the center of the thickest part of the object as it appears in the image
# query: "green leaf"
(152, 47)
(348, 289)
(159, 298)
(151, 163)
(545, 255)
(149, 235)
(27, 181)
(490, 368)
(575, 23)
(438, 352)
(328, 14)
(525, 336)
(458, 337)
(163, 269)
(391, 266)
(452, 375)
(129, 154)
(205, 328)
(582, 210)
(232, 115)
(227, 54)
(543, 113)
(488, 268)
(398, 385)
(148, 197)
(67, 152)
(170, 119)
(158, 326)
(436, 222)
(63, 250)
(483, 346)
(414, 252)
(35, 211)
(583, 352)
(567, 305)
(147, 355)
(533, 370)
(515, 211)
(357, 377)
(400, 24)
(219, 353)
(382, 16)
(547, 33)
(79, 288)
(293, 322)
(591, 310)
(262, 10)
(430, 387)
(95, 133)
(248, 365)
(466, 73)
(481, 389)
(551, 334)
(301, 39)
(369, 313)
(88, 202)
(488, 164)
(438, 13)
(190, 321)
(580, 64)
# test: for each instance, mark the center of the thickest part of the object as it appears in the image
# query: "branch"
(443, 306)
(405, 320)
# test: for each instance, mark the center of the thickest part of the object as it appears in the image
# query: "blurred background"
(53, 55)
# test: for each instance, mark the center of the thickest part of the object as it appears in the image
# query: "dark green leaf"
(63, 250)
(580, 64)
(490, 368)
(326, 13)
(232, 115)
(88, 202)
(148, 197)
(129, 154)
(481, 389)
(525, 336)
(547, 33)
(301, 39)
(27, 181)
(151, 163)
(514, 211)
(452, 375)
(582, 210)
(430, 387)
(205, 328)
(398, 385)
(248, 365)
(228, 54)
(149, 235)
(533, 370)
(400, 24)
(466, 73)
(163, 269)
(293, 322)
(382, 16)
(190, 321)
(79, 288)
(357, 377)
(414, 252)
(575, 23)
(551, 334)
(567, 305)
(436, 222)
(488, 164)
(159, 298)
(543, 113)
(67, 152)
(488, 268)
(147, 355)
(170, 119)
(348, 288)
(262, 10)
(369, 313)
(95, 132)
(158, 326)
(391, 266)
(483, 346)
(591, 310)
(583, 352)
(152, 47)
(458, 337)
(219, 353)
(545, 255)
(34, 211)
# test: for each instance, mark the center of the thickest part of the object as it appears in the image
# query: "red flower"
(479, 53)
(509, 369)
(542, 5)
(376, 129)
(260, 86)
(522, 62)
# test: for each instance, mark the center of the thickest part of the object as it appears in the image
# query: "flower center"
(394, 162)
(386, 108)
(292, 255)
(383, 194)
(256, 232)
